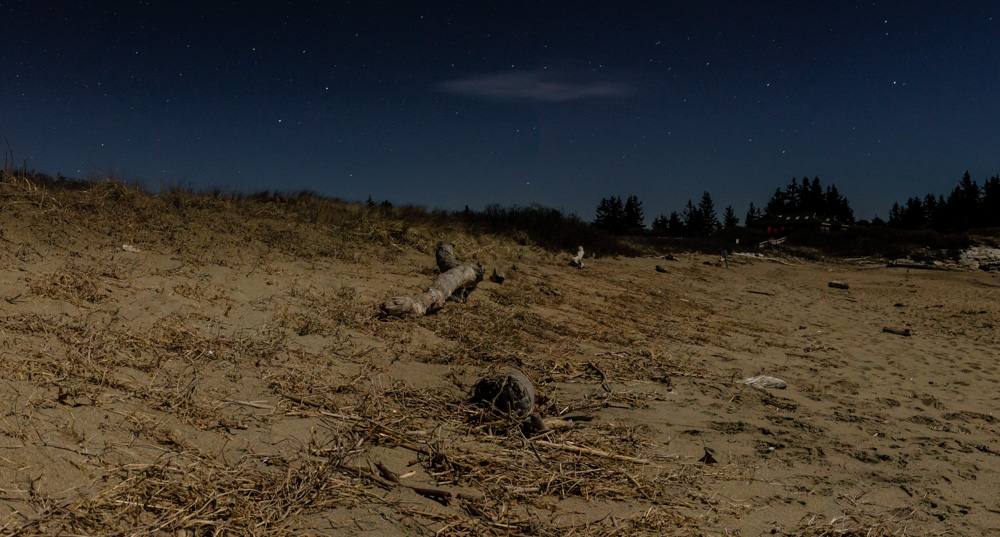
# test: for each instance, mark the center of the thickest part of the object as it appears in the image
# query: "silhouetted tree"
(810, 198)
(709, 218)
(753, 214)
(660, 226)
(967, 206)
(632, 215)
(693, 223)
(675, 227)
(837, 206)
(611, 215)
(729, 218)
(778, 204)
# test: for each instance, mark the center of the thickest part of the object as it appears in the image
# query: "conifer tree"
(710, 220)
(729, 218)
(610, 215)
(632, 215)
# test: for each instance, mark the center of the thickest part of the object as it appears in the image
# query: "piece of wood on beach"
(911, 265)
(498, 275)
(661, 269)
(460, 278)
(577, 260)
(445, 256)
(510, 391)
(904, 332)
(838, 285)
(764, 381)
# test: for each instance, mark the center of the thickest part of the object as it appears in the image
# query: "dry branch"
(457, 278)
(441, 496)
(590, 451)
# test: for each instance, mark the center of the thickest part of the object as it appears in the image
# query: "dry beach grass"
(204, 365)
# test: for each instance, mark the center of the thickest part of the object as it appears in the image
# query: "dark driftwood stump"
(454, 277)
(509, 391)
(445, 257)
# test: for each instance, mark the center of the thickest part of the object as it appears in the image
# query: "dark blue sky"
(445, 104)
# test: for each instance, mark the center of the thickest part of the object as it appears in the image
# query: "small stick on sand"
(590, 451)
(604, 376)
(441, 496)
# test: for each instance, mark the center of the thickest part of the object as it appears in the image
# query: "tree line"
(702, 219)
(968, 206)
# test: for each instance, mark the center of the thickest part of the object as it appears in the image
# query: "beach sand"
(192, 371)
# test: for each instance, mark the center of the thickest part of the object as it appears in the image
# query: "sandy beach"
(197, 366)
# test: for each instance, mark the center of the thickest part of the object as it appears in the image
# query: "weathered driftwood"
(900, 263)
(762, 258)
(509, 391)
(577, 260)
(460, 278)
(660, 269)
(838, 285)
(764, 381)
(904, 332)
(445, 257)
(454, 277)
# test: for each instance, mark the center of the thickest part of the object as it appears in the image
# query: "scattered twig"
(591, 451)
(441, 496)
(604, 376)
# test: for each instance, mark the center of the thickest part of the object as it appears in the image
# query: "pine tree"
(778, 204)
(753, 214)
(675, 227)
(729, 218)
(812, 198)
(694, 224)
(710, 220)
(837, 206)
(896, 216)
(660, 226)
(610, 215)
(632, 215)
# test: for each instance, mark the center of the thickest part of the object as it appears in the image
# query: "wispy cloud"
(529, 86)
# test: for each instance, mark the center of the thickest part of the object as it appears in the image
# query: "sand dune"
(200, 366)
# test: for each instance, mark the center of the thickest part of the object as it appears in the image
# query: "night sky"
(447, 104)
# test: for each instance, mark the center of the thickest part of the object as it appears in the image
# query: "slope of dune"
(185, 365)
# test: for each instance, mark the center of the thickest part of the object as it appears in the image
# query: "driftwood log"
(577, 261)
(509, 391)
(512, 393)
(445, 257)
(456, 278)
(838, 285)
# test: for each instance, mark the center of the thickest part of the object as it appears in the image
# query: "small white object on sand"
(763, 381)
